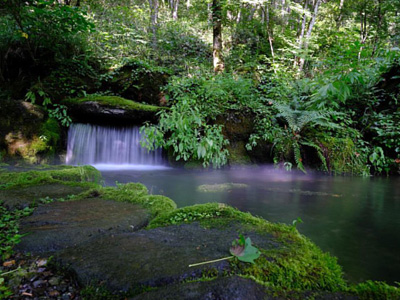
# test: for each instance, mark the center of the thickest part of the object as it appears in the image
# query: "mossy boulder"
(237, 128)
(220, 187)
(22, 189)
(138, 81)
(110, 109)
(160, 255)
(26, 132)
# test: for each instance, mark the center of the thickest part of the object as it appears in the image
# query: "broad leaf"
(244, 250)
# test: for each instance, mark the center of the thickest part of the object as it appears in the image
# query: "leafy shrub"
(188, 128)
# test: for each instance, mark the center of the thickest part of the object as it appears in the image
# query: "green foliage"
(379, 161)
(184, 130)
(9, 235)
(187, 128)
(59, 112)
(387, 132)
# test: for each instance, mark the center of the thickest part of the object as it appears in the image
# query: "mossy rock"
(237, 128)
(26, 133)
(160, 255)
(110, 109)
(21, 189)
(62, 174)
(220, 187)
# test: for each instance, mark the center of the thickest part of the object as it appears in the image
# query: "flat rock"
(155, 257)
(23, 197)
(59, 225)
(226, 288)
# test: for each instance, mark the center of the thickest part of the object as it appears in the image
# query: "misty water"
(355, 219)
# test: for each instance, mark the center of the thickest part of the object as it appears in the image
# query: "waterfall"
(110, 148)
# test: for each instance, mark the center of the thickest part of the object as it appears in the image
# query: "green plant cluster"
(189, 128)
(9, 235)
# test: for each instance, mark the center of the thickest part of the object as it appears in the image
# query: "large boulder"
(26, 132)
(111, 110)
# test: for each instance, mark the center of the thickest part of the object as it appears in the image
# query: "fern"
(297, 156)
(298, 119)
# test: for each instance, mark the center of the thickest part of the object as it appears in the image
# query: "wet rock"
(153, 257)
(60, 225)
(111, 109)
(23, 197)
(220, 187)
(228, 288)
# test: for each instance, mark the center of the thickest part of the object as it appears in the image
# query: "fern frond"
(297, 157)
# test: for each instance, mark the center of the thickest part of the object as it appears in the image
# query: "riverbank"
(120, 242)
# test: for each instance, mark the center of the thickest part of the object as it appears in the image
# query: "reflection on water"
(355, 219)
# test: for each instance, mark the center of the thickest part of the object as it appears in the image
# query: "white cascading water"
(110, 148)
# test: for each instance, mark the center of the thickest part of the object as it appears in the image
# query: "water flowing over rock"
(104, 147)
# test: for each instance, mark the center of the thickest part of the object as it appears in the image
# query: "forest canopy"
(300, 83)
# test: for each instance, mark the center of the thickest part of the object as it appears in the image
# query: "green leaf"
(247, 252)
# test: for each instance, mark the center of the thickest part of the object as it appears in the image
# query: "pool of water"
(355, 219)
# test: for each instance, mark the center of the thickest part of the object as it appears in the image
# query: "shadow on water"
(355, 219)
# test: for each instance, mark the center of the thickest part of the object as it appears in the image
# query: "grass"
(114, 101)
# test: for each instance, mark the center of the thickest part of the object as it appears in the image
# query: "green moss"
(114, 101)
(135, 193)
(376, 290)
(85, 175)
(343, 156)
(220, 187)
(297, 264)
(238, 154)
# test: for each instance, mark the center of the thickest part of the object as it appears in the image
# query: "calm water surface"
(355, 219)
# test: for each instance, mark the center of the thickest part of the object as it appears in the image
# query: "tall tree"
(218, 62)
(154, 20)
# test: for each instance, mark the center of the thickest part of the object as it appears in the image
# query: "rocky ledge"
(110, 109)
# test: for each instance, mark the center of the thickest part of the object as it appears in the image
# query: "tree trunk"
(217, 36)
(300, 38)
(269, 32)
(174, 9)
(154, 20)
(378, 27)
(340, 16)
(363, 28)
(310, 28)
